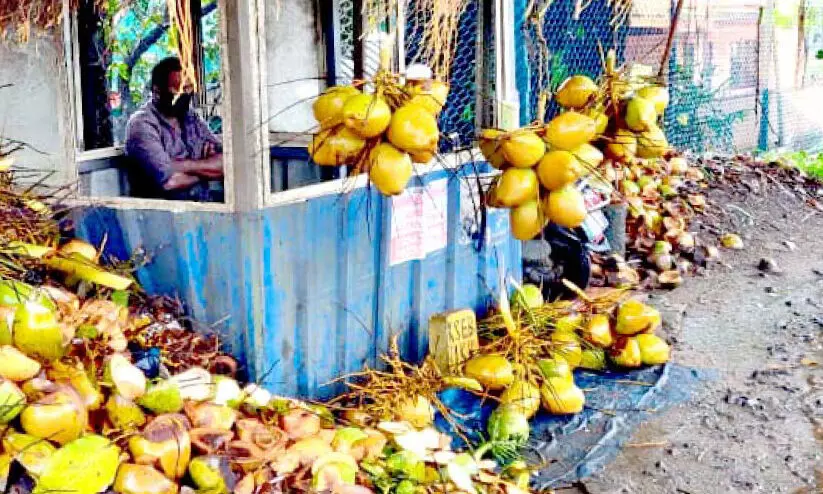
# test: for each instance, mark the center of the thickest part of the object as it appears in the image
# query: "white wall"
(35, 108)
(294, 51)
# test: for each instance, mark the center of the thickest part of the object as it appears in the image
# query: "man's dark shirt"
(153, 143)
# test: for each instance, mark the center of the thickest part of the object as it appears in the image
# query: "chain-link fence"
(458, 121)
(744, 74)
(460, 117)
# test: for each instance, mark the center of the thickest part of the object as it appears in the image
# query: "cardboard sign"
(453, 339)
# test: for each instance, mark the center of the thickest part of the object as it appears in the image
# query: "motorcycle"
(561, 253)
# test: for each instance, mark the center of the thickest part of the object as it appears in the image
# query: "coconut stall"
(308, 269)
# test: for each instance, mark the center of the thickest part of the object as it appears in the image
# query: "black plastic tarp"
(575, 447)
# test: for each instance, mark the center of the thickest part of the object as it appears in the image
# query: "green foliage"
(558, 70)
(810, 163)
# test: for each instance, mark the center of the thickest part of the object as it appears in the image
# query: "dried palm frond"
(620, 12)
(434, 24)
(183, 33)
(23, 218)
(23, 18)
(381, 393)
(437, 22)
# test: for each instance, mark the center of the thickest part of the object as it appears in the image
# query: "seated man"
(176, 152)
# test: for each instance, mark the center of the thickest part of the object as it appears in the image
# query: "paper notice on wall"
(419, 223)
(406, 227)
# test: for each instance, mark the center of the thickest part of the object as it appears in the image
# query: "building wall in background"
(34, 108)
(294, 64)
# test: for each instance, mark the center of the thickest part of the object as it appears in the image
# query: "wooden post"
(507, 104)
(802, 56)
(357, 28)
(199, 57)
(662, 74)
(246, 146)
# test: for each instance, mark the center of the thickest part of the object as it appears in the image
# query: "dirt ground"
(752, 429)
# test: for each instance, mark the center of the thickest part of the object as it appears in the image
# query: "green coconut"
(406, 464)
(406, 487)
(345, 438)
(32, 452)
(256, 397)
(227, 392)
(593, 359)
(640, 114)
(209, 474)
(14, 293)
(87, 465)
(12, 401)
(508, 423)
(124, 414)
(37, 333)
(6, 323)
(5, 466)
(162, 397)
(333, 474)
(528, 296)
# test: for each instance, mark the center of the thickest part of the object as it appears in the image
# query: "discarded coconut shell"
(209, 441)
(59, 417)
(268, 439)
(210, 416)
(165, 443)
(670, 279)
(246, 455)
(142, 479)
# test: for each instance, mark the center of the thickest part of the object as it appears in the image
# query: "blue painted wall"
(331, 301)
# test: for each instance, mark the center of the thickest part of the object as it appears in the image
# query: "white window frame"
(233, 74)
(246, 137)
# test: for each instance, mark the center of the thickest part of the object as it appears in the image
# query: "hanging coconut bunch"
(381, 127)
(634, 109)
(636, 166)
(541, 165)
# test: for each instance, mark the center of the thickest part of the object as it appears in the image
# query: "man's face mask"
(180, 108)
(166, 102)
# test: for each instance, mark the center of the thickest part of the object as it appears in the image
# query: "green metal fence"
(744, 75)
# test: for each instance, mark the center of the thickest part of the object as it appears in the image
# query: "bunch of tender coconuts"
(383, 131)
(540, 165)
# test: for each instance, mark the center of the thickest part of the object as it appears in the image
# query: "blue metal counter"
(331, 301)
